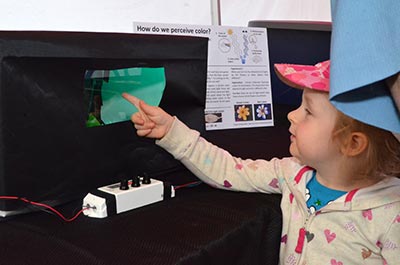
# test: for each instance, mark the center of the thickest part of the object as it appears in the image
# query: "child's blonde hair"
(382, 155)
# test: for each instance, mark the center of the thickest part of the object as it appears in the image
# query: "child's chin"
(293, 152)
(295, 155)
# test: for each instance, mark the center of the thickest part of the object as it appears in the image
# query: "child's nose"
(290, 116)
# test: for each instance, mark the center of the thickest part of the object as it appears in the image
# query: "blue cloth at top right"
(365, 49)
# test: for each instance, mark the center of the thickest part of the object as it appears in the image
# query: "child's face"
(311, 127)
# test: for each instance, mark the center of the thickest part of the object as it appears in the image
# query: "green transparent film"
(104, 88)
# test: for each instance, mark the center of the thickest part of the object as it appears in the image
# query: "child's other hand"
(150, 121)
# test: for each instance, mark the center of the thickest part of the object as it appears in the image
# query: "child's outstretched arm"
(150, 121)
(207, 161)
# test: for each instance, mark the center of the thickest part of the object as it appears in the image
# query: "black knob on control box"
(135, 182)
(146, 179)
(123, 185)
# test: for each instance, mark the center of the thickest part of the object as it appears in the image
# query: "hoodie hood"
(383, 193)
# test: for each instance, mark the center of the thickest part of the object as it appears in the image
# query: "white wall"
(118, 15)
(99, 15)
(240, 12)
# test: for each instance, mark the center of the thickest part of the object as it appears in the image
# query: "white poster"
(238, 79)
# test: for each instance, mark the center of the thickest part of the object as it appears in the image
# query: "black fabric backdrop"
(46, 152)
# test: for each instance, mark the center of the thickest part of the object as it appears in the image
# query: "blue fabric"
(319, 195)
(365, 49)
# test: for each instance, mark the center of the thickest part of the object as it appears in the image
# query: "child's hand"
(150, 121)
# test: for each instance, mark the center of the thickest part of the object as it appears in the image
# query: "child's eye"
(308, 112)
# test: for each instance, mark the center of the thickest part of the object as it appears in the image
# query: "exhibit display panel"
(47, 153)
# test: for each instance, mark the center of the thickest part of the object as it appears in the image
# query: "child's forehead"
(312, 92)
(315, 97)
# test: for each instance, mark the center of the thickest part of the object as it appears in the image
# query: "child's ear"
(357, 144)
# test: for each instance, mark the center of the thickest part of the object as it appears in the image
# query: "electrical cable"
(48, 209)
(188, 185)
(44, 207)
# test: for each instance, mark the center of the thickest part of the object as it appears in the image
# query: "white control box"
(111, 199)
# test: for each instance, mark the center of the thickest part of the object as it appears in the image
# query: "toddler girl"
(340, 191)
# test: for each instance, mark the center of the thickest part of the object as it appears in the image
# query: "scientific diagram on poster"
(238, 74)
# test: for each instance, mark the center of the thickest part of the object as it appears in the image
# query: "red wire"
(187, 184)
(44, 206)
